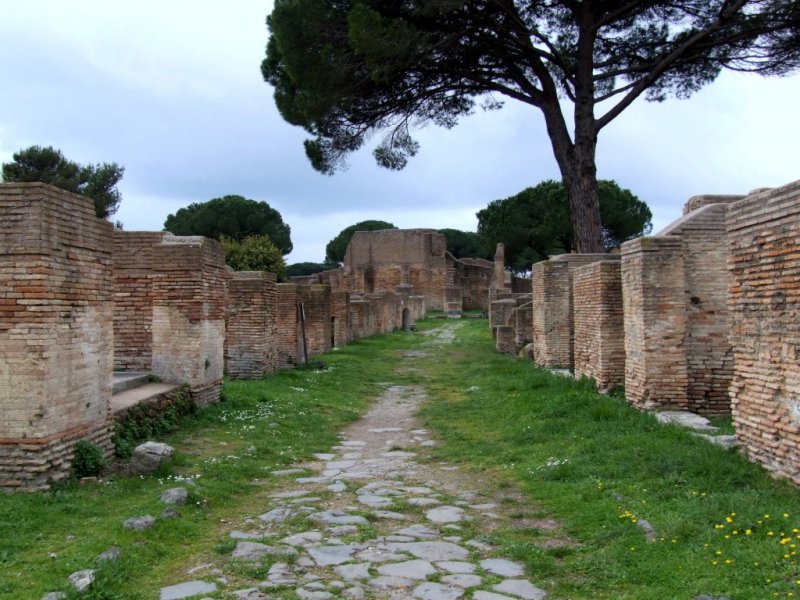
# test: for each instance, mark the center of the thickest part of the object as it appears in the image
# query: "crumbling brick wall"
(360, 319)
(251, 347)
(316, 305)
(675, 299)
(764, 303)
(474, 277)
(552, 308)
(340, 309)
(599, 351)
(56, 332)
(287, 325)
(134, 269)
(189, 298)
(379, 261)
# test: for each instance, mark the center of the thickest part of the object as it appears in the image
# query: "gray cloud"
(173, 92)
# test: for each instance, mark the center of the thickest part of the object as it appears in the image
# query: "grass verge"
(723, 526)
(224, 456)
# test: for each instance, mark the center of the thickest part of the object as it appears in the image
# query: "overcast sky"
(172, 91)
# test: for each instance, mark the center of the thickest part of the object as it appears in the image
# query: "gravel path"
(375, 518)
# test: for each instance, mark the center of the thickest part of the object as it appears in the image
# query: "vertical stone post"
(653, 295)
(523, 324)
(500, 267)
(316, 301)
(599, 324)
(505, 339)
(189, 298)
(340, 314)
(56, 332)
(287, 326)
(250, 328)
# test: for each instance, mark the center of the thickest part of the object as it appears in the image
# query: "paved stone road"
(372, 520)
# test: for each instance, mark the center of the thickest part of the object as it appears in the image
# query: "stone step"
(126, 380)
(137, 395)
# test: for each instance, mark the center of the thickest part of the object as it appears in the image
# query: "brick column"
(56, 332)
(653, 293)
(552, 308)
(189, 297)
(250, 325)
(287, 326)
(316, 301)
(599, 324)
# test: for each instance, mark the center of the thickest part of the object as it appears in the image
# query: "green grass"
(588, 460)
(598, 465)
(227, 450)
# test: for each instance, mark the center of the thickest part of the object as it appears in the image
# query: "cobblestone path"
(375, 518)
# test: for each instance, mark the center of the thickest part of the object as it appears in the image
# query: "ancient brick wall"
(379, 261)
(474, 278)
(361, 322)
(56, 331)
(287, 325)
(523, 324)
(316, 303)
(251, 347)
(189, 299)
(552, 308)
(504, 339)
(696, 202)
(134, 264)
(764, 303)
(501, 312)
(684, 358)
(599, 351)
(340, 311)
(654, 303)
(386, 312)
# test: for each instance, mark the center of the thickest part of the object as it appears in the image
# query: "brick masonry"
(189, 301)
(134, 264)
(675, 301)
(316, 307)
(287, 325)
(599, 351)
(764, 303)
(250, 341)
(552, 322)
(56, 331)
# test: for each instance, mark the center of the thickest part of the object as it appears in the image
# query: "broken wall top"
(396, 246)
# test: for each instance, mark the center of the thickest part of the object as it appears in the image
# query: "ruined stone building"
(704, 316)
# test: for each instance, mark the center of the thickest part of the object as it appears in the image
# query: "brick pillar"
(56, 332)
(189, 297)
(501, 312)
(599, 325)
(653, 292)
(552, 308)
(505, 339)
(500, 267)
(452, 301)
(340, 315)
(250, 325)
(316, 300)
(287, 326)
(134, 270)
(522, 324)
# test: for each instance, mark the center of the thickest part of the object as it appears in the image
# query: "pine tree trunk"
(584, 204)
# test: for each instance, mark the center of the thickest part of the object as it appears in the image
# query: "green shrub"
(88, 460)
